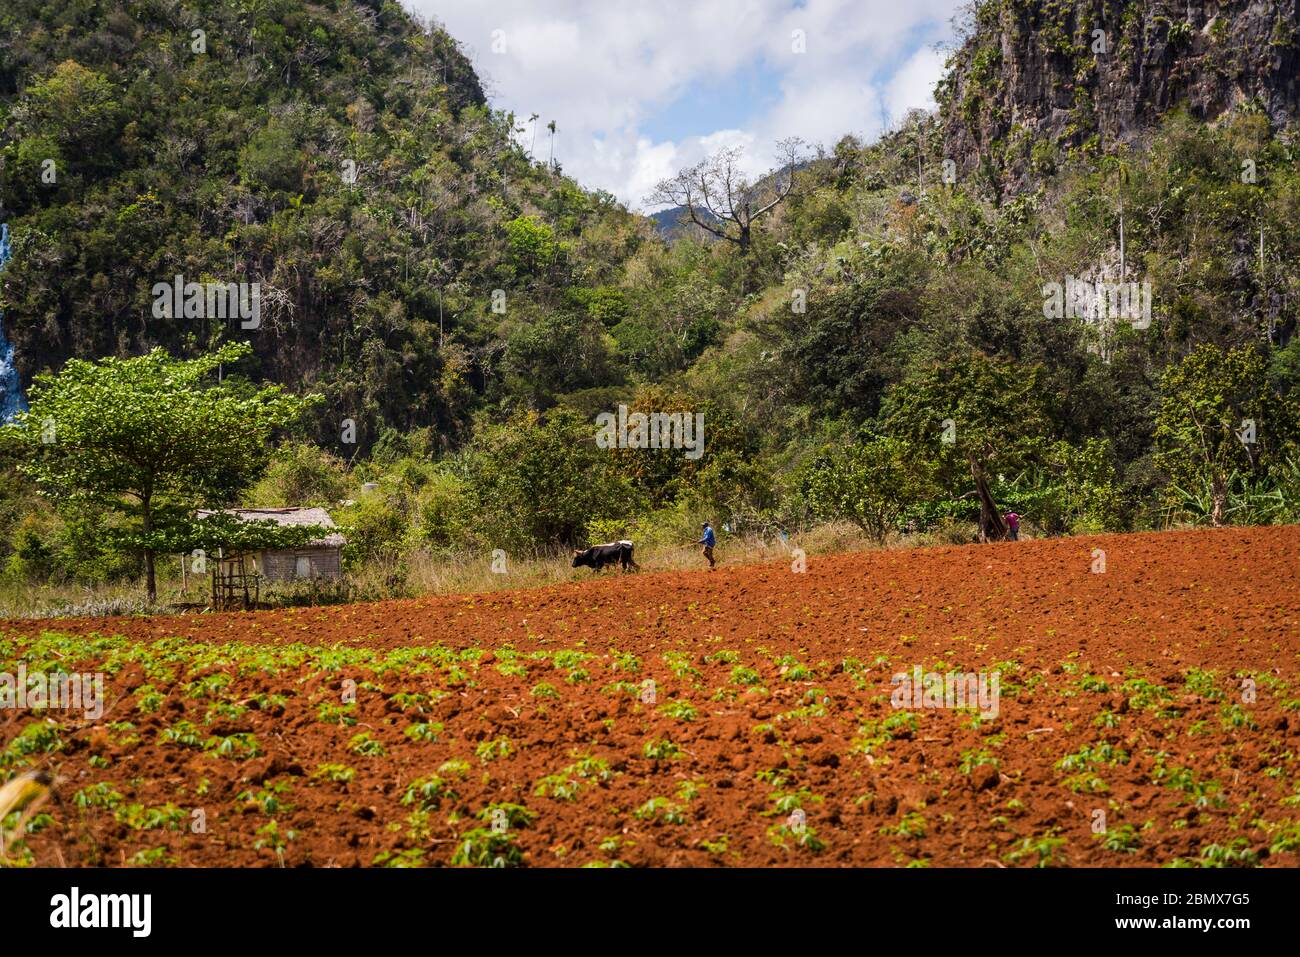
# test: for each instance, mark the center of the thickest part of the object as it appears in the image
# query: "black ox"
(598, 556)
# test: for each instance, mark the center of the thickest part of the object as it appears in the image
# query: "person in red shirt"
(1013, 526)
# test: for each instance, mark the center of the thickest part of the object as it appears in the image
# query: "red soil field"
(1148, 714)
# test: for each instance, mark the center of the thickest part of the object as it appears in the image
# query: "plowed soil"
(1148, 714)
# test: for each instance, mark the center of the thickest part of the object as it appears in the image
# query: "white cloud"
(823, 111)
(547, 46)
(913, 83)
(605, 72)
(651, 163)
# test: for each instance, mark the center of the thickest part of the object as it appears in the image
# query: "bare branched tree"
(721, 200)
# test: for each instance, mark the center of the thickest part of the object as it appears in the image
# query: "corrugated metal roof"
(285, 516)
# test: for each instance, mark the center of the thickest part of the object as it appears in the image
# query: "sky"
(639, 89)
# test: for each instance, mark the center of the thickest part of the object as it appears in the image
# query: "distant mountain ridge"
(676, 219)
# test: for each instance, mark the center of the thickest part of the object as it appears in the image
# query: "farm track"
(1123, 692)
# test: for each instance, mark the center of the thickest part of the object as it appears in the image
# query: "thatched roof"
(285, 516)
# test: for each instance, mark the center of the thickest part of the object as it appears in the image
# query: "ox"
(598, 556)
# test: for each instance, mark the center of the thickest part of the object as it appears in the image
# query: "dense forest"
(884, 351)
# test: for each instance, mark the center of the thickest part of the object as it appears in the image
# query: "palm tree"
(1116, 169)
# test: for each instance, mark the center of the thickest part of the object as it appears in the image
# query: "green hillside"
(472, 311)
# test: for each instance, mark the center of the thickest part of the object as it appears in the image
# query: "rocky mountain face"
(1034, 79)
(314, 151)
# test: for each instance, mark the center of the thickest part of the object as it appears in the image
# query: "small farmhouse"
(321, 558)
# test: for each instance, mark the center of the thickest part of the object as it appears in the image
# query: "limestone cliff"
(1035, 79)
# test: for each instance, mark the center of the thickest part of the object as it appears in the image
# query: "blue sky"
(641, 88)
(703, 108)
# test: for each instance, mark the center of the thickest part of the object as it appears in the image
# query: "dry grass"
(67, 601)
(423, 573)
(427, 574)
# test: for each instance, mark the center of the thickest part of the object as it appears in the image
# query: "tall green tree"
(152, 438)
(838, 356)
(538, 481)
(868, 483)
(972, 414)
(1220, 416)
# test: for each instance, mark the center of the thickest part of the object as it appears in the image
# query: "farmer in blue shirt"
(708, 541)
